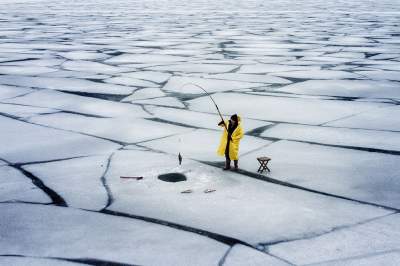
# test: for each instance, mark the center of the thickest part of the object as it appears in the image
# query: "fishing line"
(215, 104)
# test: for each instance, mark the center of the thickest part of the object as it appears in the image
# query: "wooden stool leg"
(265, 166)
(262, 168)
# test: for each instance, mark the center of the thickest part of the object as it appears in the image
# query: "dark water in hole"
(172, 177)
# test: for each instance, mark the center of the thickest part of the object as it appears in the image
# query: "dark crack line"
(54, 196)
(83, 114)
(78, 132)
(258, 149)
(223, 259)
(57, 109)
(267, 245)
(330, 97)
(65, 130)
(259, 130)
(95, 262)
(87, 261)
(50, 161)
(355, 128)
(254, 132)
(269, 93)
(158, 105)
(163, 137)
(102, 96)
(355, 114)
(29, 105)
(110, 197)
(10, 116)
(18, 96)
(160, 120)
(279, 258)
(138, 148)
(295, 123)
(24, 202)
(290, 185)
(265, 253)
(143, 106)
(230, 241)
(369, 255)
(366, 149)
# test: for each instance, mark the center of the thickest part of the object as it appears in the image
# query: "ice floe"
(295, 110)
(182, 85)
(381, 75)
(48, 231)
(163, 101)
(199, 119)
(7, 92)
(25, 142)
(25, 70)
(317, 74)
(272, 68)
(84, 55)
(14, 186)
(89, 66)
(371, 243)
(250, 78)
(378, 119)
(120, 130)
(345, 88)
(77, 181)
(144, 58)
(17, 260)
(75, 74)
(234, 194)
(196, 68)
(336, 136)
(131, 82)
(146, 93)
(241, 255)
(79, 104)
(157, 77)
(208, 144)
(345, 172)
(65, 84)
(23, 111)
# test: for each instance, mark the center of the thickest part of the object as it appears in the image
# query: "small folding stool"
(263, 164)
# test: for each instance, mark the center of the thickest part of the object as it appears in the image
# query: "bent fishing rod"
(216, 106)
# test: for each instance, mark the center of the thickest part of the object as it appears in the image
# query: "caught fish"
(180, 158)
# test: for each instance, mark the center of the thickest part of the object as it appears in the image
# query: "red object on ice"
(132, 177)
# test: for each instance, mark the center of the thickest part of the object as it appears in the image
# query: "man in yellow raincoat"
(229, 145)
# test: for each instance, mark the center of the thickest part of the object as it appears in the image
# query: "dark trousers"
(227, 158)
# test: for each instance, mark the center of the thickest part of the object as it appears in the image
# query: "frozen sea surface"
(92, 91)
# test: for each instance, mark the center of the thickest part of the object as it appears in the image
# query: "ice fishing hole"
(172, 177)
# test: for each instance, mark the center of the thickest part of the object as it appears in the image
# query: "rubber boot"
(227, 164)
(236, 162)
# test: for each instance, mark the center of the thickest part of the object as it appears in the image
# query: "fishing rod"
(216, 106)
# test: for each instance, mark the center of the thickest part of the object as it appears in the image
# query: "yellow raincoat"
(234, 144)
